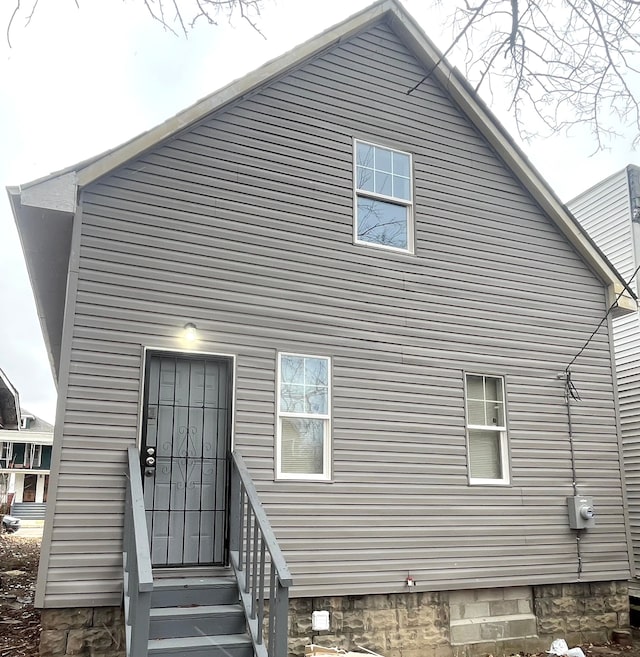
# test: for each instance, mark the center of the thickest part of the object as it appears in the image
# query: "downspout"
(633, 181)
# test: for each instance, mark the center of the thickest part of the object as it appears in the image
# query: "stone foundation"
(82, 632)
(581, 613)
(395, 625)
(470, 623)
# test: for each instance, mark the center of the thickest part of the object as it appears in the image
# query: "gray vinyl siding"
(243, 225)
(605, 211)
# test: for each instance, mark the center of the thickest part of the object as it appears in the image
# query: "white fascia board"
(26, 436)
(233, 91)
(57, 192)
(15, 471)
(9, 386)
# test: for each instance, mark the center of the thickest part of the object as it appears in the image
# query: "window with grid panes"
(303, 443)
(383, 197)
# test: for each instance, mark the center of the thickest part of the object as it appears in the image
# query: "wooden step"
(227, 645)
(178, 622)
(189, 591)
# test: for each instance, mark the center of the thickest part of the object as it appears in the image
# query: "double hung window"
(383, 197)
(486, 430)
(303, 417)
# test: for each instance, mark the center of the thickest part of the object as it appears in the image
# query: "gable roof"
(37, 424)
(53, 199)
(9, 404)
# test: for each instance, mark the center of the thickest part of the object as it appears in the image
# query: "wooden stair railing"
(261, 570)
(138, 577)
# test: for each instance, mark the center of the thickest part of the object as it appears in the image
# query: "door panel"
(29, 490)
(186, 433)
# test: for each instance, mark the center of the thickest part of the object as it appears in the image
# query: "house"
(610, 212)
(339, 342)
(9, 420)
(25, 454)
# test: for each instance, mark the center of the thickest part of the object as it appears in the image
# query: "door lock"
(149, 461)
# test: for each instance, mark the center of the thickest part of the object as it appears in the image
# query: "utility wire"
(602, 321)
(442, 57)
(571, 393)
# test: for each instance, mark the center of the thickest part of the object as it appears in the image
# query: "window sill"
(308, 478)
(489, 482)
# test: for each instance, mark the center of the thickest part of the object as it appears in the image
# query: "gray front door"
(185, 466)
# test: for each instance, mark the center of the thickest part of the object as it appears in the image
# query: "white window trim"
(326, 455)
(505, 480)
(35, 455)
(383, 197)
(6, 454)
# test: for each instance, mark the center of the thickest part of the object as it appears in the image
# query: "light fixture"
(190, 333)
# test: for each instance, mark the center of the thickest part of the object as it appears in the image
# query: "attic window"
(383, 197)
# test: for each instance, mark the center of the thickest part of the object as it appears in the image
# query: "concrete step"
(191, 591)
(207, 620)
(29, 510)
(227, 645)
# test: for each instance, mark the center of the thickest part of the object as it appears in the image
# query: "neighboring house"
(26, 457)
(25, 454)
(391, 320)
(610, 212)
(9, 421)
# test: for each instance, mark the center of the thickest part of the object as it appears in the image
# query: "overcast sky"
(78, 82)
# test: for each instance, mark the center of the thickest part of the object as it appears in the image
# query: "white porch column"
(19, 487)
(40, 488)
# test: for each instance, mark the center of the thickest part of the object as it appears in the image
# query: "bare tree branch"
(475, 13)
(565, 62)
(176, 16)
(11, 19)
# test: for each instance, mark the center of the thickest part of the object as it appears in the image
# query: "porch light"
(190, 332)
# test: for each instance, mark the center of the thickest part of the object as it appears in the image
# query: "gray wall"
(605, 211)
(244, 226)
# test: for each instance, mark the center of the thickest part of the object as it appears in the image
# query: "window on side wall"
(487, 450)
(35, 456)
(304, 420)
(6, 453)
(383, 197)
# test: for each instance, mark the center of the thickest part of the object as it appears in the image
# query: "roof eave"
(44, 219)
(235, 90)
(424, 49)
(619, 294)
